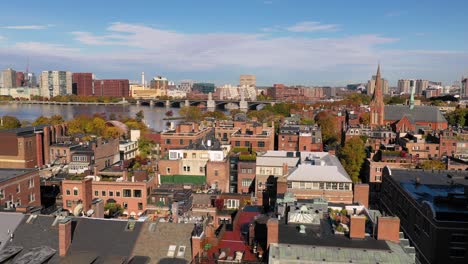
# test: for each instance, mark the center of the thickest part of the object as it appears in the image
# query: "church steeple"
(377, 104)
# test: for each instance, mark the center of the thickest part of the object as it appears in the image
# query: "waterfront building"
(9, 78)
(204, 88)
(83, 84)
(55, 83)
(112, 87)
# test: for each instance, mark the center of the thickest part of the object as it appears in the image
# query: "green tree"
(42, 120)
(191, 113)
(328, 126)
(433, 165)
(112, 209)
(364, 118)
(352, 157)
(56, 120)
(358, 98)
(140, 115)
(145, 146)
(215, 114)
(9, 122)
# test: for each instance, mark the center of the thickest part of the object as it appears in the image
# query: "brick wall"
(217, 173)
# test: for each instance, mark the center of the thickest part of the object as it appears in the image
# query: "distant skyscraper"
(247, 80)
(204, 87)
(421, 85)
(371, 85)
(31, 80)
(83, 84)
(404, 86)
(159, 82)
(464, 87)
(54, 83)
(9, 78)
(20, 81)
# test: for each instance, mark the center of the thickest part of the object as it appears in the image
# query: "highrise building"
(9, 78)
(31, 80)
(159, 82)
(464, 87)
(404, 86)
(186, 86)
(54, 83)
(371, 86)
(204, 87)
(83, 84)
(20, 81)
(114, 87)
(421, 85)
(377, 106)
(247, 80)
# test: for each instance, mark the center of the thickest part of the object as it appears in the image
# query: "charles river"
(153, 115)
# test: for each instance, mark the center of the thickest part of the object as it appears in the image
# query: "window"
(250, 170)
(103, 193)
(31, 183)
(378, 169)
(127, 193)
(18, 188)
(75, 191)
(202, 169)
(171, 251)
(168, 141)
(96, 193)
(231, 203)
(216, 172)
(2, 194)
(378, 178)
(181, 141)
(247, 144)
(125, 205)
(261, 144)
(457, 252)
(140, 206)
(168, 170)
(246, 182)
(117, 194)
(68, 192)
(237, 143)
(194, 155)
(244, 170)
(32, 197)
(136, 193)
(69, 203)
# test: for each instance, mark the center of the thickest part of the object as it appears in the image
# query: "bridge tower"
(243, 105)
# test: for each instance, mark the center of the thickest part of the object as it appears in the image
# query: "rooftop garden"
(183, 179)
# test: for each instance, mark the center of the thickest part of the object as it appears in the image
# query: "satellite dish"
(78, 209)
(90, 212)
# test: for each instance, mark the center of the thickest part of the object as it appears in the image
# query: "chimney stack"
(272, 231)
(361, 194)
(65, 236)
(285, 169)
(388, 228)
(357, 227)
(96, 171)
(125, 175)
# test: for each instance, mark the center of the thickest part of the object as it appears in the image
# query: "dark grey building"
(433, 210)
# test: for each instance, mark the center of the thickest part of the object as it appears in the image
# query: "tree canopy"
(352, 157)
(328, 126)
(9, 122)
(433, 165)
(191, 113)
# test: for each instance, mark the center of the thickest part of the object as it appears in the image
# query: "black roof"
(6, 174)
(25, 130)
(321, 235)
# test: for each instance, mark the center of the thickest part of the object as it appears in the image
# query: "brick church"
(403, 118)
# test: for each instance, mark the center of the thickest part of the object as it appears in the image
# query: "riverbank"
(67, 103)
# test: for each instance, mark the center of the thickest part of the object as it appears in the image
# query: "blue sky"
(281, 41)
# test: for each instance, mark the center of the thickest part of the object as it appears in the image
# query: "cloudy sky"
(281, 41)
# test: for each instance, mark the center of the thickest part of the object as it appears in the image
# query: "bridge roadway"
(209, 103)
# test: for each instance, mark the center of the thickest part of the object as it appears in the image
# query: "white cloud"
(312, 26)
(48, 49)
(28, 27)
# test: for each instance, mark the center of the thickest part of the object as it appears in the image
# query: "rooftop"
(445, 192)
(418, 113)
(7, 174)
(25, 130)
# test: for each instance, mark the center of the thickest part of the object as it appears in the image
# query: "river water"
(153, 115)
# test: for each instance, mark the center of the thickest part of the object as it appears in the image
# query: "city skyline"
(278, 41)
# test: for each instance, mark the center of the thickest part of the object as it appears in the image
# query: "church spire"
(377, 105)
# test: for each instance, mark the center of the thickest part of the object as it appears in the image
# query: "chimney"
(357, 227)
(361, 194)
(272, 231)
(175, 212)
(65, 236)
(388, 228)
(251, 233)
(125, 175)
(98, 207)
(96, 171)
(285, 169)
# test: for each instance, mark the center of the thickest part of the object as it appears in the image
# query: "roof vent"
(302, 229)
(31, 219)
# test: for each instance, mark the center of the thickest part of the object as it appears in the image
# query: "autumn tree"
(191, 113)
(433, 165)
(218, 115)
(328, 126)
(364, 118)
(140, 115)
(9, 122)
(145, 146)
(352, 157)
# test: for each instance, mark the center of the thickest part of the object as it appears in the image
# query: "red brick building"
(258, 136)
(83, 84)
(19, 188)
(20, 81)
(300, 138)
(184, 135)
(114, 87)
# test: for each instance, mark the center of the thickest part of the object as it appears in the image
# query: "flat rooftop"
(444, 191)
(6, 174)
(25, 130)
(321, 235)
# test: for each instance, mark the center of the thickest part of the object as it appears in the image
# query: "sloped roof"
(329, 170)
(9, 221)
(420, 113)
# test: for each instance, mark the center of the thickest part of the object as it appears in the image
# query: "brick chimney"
(96, 171)
(98, 207)
(272, 231)
(361, 194)
(285, 168)
(125, 175)
(65, 236)
(357, 227)
(388, 228)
